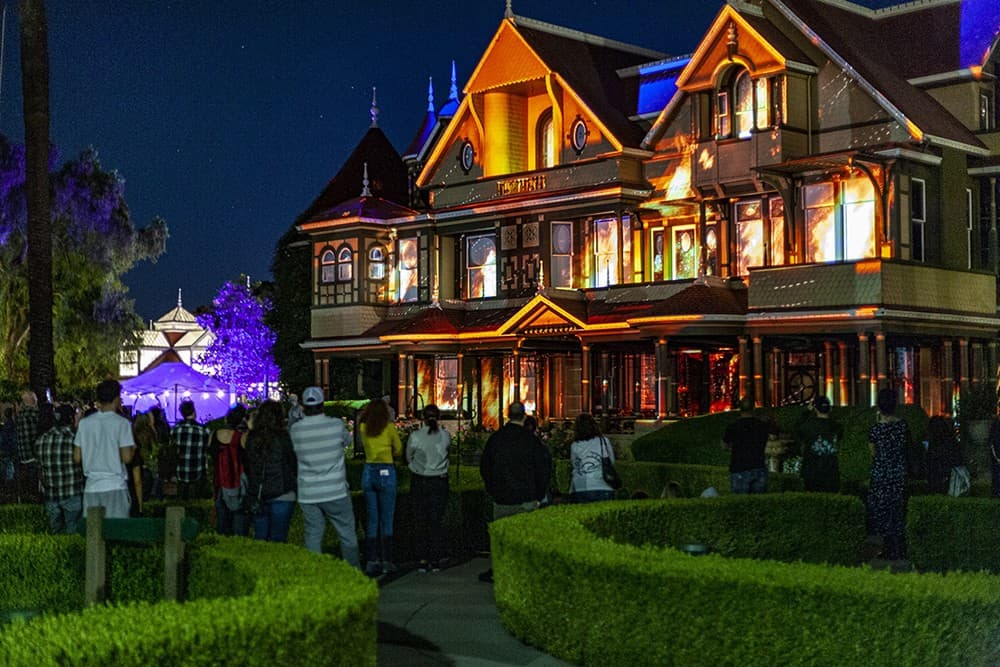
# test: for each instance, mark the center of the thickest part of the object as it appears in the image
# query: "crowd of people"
(259, 463)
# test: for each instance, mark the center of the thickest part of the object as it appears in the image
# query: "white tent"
(171, 383)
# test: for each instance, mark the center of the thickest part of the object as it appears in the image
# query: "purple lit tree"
(242, 349)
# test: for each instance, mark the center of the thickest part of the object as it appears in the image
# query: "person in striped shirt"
(323, 493)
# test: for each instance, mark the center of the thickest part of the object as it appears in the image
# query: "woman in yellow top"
(378, 481)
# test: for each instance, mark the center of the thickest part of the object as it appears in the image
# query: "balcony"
(872, 282)
(722, 161)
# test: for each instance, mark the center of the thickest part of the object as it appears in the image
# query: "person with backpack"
(319, 442)
(229, 479)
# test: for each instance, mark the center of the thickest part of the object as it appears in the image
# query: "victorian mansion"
(805, 204)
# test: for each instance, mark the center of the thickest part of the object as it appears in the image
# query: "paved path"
(447, 618)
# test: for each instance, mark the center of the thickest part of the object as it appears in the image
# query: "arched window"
(545, 139)
(327, 267)
(345, 264)
(376, 263)
(741, 104)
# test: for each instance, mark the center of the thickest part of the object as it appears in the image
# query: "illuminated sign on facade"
(514, 186)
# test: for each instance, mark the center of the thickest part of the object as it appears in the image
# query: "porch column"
(460, 387)
(604, 383)
(662, 379)
(991, 362)
(864, 370)
(758, 372)
(776, 376)
(401, 400)
(963, 364)
(977, 364)
(843, 394)
(947, 375)
(881, 363)
(325, 380)
(517, 375)
(318, 373)
(744, 370)
(828, 370)
(636, 384)
(585, 378)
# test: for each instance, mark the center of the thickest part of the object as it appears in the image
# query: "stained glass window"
(685, 253)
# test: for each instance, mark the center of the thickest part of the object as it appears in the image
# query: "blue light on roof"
(980, 28)
(658, 84)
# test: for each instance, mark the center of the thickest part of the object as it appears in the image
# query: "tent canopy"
(169, 384)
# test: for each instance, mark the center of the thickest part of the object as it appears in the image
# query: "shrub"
(697, 440)
(254, 603)
(947, 533)
(590, 600)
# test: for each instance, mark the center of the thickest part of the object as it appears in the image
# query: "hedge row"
(252, 603)
(946, 533)
(554, 589)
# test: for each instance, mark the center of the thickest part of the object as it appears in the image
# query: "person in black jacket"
(943, 454)
(272, 471)
(516, 468)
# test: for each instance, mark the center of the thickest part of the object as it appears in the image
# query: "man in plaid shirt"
(25, 432)
(191, 441)
(62, 478)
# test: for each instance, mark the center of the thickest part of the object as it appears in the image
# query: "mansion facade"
(806, 204)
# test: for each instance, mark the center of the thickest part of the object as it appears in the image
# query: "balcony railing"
(872, 282)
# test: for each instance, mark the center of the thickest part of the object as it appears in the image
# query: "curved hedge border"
(590, 600)
(252, 603)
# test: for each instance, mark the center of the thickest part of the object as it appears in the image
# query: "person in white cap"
(323, 493)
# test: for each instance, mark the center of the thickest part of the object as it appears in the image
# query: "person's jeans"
(430, 502)
(748, 481)
(592, 496)
(378, 481)
(65, 514)
(228, 522)
(340, 513)
(271, 524)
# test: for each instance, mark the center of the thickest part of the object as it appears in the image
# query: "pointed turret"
(427, 127)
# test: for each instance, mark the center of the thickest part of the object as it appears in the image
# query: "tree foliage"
(241, 352)
(290, 319)
(94, 242)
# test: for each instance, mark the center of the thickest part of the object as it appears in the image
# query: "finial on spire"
(365, 192)
(509, 14)
(453, 92)
(541, 278)
(179, 301)
(430, 93)
(374, 110)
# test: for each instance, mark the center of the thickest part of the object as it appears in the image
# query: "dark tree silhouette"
(35, 86)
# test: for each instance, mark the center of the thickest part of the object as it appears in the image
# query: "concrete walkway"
(447, 618)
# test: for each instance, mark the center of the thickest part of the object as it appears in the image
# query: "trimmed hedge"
(554, 589)
(697, 440)
(254, 603)
(947, 533)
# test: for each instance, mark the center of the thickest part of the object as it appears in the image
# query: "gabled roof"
(385, 168)
(872, 50)
(364, 209)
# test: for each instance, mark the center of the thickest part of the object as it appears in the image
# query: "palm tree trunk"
(35, 87)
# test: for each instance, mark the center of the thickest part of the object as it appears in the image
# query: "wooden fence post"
(173, 553)
(96, 571)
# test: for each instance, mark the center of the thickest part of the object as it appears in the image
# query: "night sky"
(227, 118)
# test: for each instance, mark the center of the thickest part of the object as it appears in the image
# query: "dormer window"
(741, 104)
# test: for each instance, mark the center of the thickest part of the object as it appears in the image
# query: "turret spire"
(453, 92)
(365, 192)
(509, 14)
(430, 94)
(374, 110)
(179, 301)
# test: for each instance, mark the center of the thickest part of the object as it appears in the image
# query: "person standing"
(295, 411)
(104, 446)
(586, 457)
(62, 477)
(746, 440)
(943, 454)
(819, 438)
(427, 452)
(516, 469)
(191, 441)
(26, 474)
(271, 469)
(319, 442)
(888, 440)
(229, 481)
(378, 481)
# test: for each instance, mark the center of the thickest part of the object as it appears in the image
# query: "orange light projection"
(408, 272)
(423, 382)
(446, 384)
(490, 404)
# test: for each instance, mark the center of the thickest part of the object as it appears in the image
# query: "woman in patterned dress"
(888, 439)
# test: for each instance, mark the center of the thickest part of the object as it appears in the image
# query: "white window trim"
(969, 220)
(921, 221)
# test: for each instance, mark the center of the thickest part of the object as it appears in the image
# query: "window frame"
(970, 213)
(545, 141)
(401, 269)
(374, 263)
(489, 287)
(609, 269)
(345, 267)
(554, 274)
(918, 222)
(324, 266)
